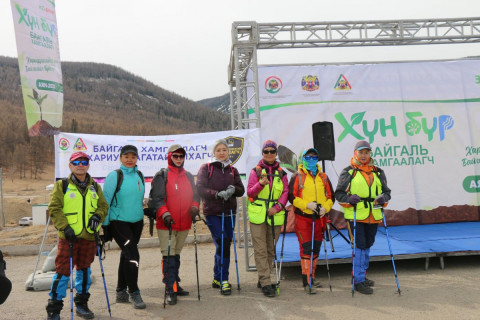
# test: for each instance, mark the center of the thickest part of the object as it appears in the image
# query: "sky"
(184, 46)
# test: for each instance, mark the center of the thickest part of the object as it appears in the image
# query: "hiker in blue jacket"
(124, 222)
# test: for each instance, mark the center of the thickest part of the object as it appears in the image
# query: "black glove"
(150, 213)
(94, 222)
(194, 212)
(354, 199)
(70, 234)
(168, 221)
(107, 233)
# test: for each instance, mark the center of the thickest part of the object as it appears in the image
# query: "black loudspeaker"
(323, 140)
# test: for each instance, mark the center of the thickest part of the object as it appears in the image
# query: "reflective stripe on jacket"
(359, 186)
(79, 209)
(257, 209)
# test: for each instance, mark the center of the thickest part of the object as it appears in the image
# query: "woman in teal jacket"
(124, 191)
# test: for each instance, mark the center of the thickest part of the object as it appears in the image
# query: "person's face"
(363, 155)
(129, 160)
(178, 158)
(221, 152)
(78, 166)
(269, 155)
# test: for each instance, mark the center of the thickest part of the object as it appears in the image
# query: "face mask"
(310, 165)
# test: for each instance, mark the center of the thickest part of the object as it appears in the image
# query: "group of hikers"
(79, 208)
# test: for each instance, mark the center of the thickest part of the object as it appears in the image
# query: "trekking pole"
(103, 274)
(311, 252)
(329, 235)
(281, 253)
(168, 264)
(391, 254)
(353, 247)
(196, 255)
(221, 252)
(326, 259)
(235, 249)
(71, 280)
(274, 247)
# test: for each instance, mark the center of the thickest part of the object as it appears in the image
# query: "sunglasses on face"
(310, 157)
(269, 151)
(178, 156)
(78, 162)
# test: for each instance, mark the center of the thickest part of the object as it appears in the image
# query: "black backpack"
(120, 181)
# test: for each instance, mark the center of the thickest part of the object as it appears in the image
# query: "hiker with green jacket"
(77, 207)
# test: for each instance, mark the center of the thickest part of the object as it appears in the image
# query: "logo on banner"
(235, 145)
(79, 145)
(273, 84)
(310, 83)
(342, 83)
(63, 144)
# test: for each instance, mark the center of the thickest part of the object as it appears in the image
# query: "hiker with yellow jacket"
(310, 192)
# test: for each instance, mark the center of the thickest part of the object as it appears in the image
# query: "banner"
(39, 63)
(104, 151)
(421, 118)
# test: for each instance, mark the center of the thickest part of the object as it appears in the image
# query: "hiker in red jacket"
(219, 185)
(175, 200)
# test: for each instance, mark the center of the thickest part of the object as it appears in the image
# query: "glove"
(354, 199)
(312, 206)
(168, 221)
(230, 191)
(222, 195)
(150, 213)
(94, 222)
(107, 233)
(70, 234)
(380, 199)
(194, 212)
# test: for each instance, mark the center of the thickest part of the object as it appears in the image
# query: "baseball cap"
(129, 149)
(176, 147)
(77, 155)
(360, 145)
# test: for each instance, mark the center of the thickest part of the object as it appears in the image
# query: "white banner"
(104, 151)
(39, 63)
(421, 118)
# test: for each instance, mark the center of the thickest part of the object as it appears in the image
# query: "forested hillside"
(99, 99)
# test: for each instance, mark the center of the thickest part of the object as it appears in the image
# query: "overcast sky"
(184, 45)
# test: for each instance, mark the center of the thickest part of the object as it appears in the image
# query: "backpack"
(65, 184)
(258, 171)
(120, 181)
(164, 174)
(300, 179)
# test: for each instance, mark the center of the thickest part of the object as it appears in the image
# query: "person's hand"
(94, 222)
(150, 213)
(70, 234)
(107, 233)
(322, 211)
(222, 195)
(272, 211)
(354, 199)
(230, 191)
(194, 212)
(263, 180)
(168, 221)
(380, 199)
(312, 206)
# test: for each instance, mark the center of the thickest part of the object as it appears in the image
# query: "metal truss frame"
(250, 36)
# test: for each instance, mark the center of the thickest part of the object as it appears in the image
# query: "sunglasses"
(310, 157)
(78, 162)
(269, 151)
(178, 156)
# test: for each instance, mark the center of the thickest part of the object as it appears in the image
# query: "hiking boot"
(369, 282)
(316, 284)
(182, 292)
(136, 300)
(122, 296)
(226, 288)
(362, 287)
(259, 286)
(53, 309)
(216, 284)
(171, 297)
(309, 290)
(81, 302)
(268, 291)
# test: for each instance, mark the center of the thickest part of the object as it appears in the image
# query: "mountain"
(99, 99)
(220, 103)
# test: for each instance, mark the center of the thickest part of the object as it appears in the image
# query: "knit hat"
(129, 149)
(78, 155)
(176, 147)
(269, 143)
(220, 141)
(360, 145)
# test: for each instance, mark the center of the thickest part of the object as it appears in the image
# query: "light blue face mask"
(309, 163)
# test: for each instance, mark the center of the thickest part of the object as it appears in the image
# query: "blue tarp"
(431, 238)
